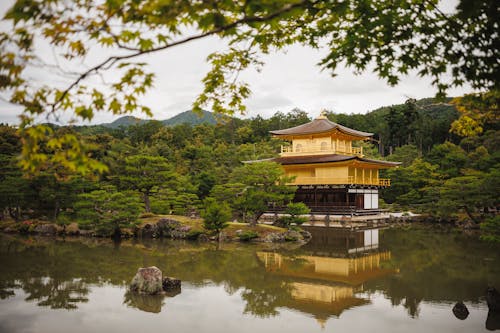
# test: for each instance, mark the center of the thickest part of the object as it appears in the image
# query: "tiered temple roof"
(321, 125)
(331, 158)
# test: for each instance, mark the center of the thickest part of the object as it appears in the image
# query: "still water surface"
(370, 281)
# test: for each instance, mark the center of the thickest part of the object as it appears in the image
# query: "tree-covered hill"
(125, 121)
(187, 117)
(191, 118)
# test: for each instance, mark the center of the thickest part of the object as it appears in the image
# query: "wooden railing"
(385, 182)
(320, 149)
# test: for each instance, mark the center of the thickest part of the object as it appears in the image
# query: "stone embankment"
(167, 227)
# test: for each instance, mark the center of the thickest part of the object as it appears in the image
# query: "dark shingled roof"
(327, 159)
(319, 125)
(312, 159)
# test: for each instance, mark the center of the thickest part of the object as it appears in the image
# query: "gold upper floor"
(318, 145)
(345, 173)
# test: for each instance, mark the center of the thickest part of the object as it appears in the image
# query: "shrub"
(193, 234)
(295, 210)
(215, 215)
(248, 235)
(490, 229)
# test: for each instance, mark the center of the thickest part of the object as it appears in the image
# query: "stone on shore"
(148, 281)
(45, 229)
(170, 283)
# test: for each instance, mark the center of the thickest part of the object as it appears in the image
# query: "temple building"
(331, 173)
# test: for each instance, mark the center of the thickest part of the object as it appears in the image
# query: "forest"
(150, 168)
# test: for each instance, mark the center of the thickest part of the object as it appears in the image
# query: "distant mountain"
(186, 117)
(125, 121)
(191, 118)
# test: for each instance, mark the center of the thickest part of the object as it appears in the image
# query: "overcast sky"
(288, 80)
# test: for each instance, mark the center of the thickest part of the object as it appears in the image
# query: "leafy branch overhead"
(391, 38)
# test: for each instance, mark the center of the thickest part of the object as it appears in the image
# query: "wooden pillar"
(315, 197)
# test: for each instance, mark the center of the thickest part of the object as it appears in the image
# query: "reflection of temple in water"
(326, 277)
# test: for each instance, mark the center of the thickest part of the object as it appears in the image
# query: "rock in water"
(147, 280)
(170, 284)
(493, 299)
(460, 311)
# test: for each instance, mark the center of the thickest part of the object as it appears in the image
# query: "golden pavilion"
(331, 173)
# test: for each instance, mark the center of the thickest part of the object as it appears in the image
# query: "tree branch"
(108, 63)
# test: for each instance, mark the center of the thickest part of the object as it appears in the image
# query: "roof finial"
(323, 114)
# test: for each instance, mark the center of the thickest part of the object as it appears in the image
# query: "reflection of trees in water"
(401, 294)
(6, 289)
(148, 303)
(262, 302)
(56, 294)
(57, 273)
(436, 266)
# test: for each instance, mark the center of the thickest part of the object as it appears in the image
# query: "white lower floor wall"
(370, 200)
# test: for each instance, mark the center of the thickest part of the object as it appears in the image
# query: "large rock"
(293, 236)
(45, 229)
(274, 237)
(180, 233)
(72, 229)
(163, 228)
(149, 230)
(306, 235)
(147, 280)
(166, 226)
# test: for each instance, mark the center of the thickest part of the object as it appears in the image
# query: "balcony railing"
(320, 149)
(383, 182)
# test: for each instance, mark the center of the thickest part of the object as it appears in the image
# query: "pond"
(389, 280)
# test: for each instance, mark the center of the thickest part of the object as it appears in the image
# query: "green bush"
(248, 235)
(215, 215)
(193, 234)
(289, 238)
(295, 210)
(490, 229)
